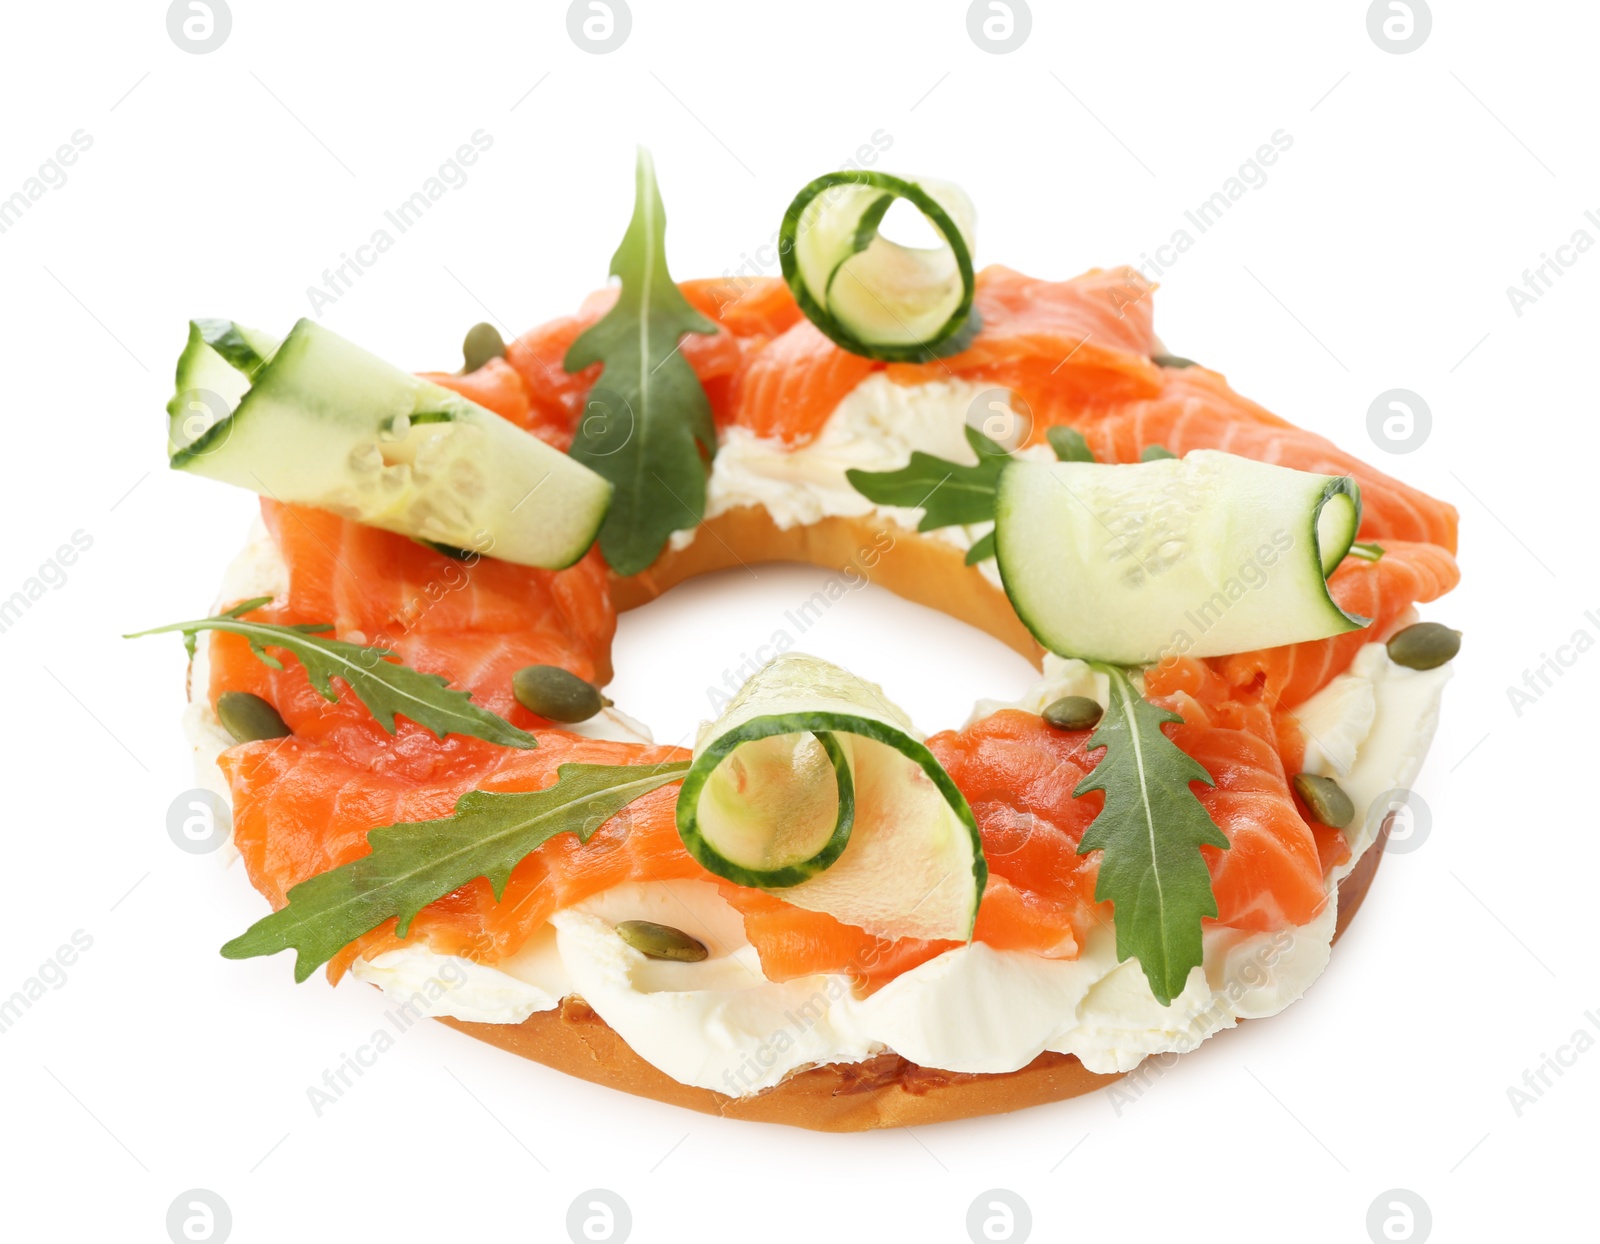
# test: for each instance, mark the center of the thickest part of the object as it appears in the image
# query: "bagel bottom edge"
(884, 1091)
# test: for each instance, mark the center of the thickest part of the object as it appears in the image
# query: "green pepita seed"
(1172, 360)
(1326, 799)
(661, 941)
(1155, 453)
(248, 717)
(1073, 712)
(556, 694)
(482, 344)
(1424, 646)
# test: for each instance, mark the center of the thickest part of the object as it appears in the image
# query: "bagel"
(560, 988)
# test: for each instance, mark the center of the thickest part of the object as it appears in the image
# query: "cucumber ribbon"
(869, 295)
(1201, 556)
(316, 420)
(813, 785)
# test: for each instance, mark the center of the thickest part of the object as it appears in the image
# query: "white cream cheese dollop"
(1396, 711)
(875, 428)
(720, 1024)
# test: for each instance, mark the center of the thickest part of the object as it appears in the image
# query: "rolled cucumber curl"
(871, 296)
(1336, 518)
(813, 786)
(1201, 556)
(757, 814)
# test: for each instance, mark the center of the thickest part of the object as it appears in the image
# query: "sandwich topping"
(400, 693)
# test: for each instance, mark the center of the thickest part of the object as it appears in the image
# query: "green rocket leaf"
(950, 494)
(416, 863)
(954, 494)
(646, 422)
(1069, 444)
(1150, 830)
(982, 547)
(386, 687)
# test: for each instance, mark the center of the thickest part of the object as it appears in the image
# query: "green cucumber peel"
(1201, 556)
(769, 875)
(871, 296)
(315, 420)
(918, 873)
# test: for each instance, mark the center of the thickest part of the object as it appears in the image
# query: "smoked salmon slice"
(1383, 590)
(745, 306)
(495, 386)
(301, 809)
(788, 388)
(476, 623)
(1196, 409)
(1056, 342)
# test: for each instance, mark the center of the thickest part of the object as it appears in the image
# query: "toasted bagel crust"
(886, 1091)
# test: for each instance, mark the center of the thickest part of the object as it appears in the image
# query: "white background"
(1377, 255)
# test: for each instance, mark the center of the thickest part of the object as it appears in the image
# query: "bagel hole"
(682, 657)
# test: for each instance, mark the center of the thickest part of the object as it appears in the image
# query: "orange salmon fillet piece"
(1056, 341)
(1383, 590)
(495, 386)
(475, 624)
(745, 306)
(1196, 409)
(301, 809)
(789, 387)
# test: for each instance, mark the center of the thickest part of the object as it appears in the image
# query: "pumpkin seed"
(1424, 646)
(1172, 360)
(1155, 453)
(482, 344)
(556, 694)
(1073, 712)
(248, 717)
(1326, 799)
(661, 941)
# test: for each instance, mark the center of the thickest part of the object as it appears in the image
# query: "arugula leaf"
(951, 494)
(647, 422)
(1150, 830)
(416, 863)
(1069, 444)
(386, 687)
(982, 548)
